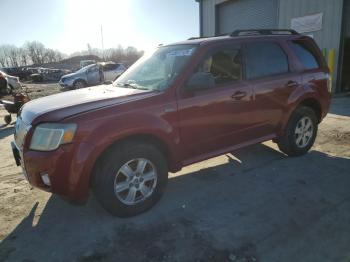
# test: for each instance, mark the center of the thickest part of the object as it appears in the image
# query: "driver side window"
(224, 65)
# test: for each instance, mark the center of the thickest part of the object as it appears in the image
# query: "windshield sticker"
(174, 53)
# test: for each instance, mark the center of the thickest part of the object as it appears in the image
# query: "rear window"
(305, 53)
(265, 59)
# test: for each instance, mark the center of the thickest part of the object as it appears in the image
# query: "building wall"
(328, 37)
(347, 18)
(209, 16)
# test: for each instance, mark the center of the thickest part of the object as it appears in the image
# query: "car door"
(215, 118)
(108, 71)
(94, 75)
(273, 79)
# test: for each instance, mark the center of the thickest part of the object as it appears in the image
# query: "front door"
(94, 75)
(214, 118)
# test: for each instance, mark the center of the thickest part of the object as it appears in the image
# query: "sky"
(69, 25)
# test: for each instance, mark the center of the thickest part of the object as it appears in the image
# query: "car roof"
(215, 39)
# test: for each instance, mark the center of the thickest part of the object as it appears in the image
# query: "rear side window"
(305, 54)
(265, 59)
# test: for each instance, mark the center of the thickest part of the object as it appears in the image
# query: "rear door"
(273, 79)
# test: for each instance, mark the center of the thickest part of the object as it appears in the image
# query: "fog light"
(46, 180)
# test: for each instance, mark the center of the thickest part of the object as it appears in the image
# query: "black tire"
(107, 168)
(287, 143)
(7, 119)
(4, 88)
(79, 84)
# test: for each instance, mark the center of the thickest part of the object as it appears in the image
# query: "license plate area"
(16, 154)
(18, 158)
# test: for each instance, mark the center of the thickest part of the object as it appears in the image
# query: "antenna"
(103, 51)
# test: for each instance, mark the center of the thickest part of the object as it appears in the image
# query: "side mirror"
(200, 81)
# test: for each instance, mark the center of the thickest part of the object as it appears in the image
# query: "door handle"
(291, 83)
(238, 95)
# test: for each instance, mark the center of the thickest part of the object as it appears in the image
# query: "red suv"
(183, 103)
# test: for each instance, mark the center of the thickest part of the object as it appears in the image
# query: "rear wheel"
(130, 178)
(300, 133)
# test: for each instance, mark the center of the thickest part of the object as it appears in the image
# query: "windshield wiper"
(134, 86)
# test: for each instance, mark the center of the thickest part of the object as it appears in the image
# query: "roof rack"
(200, 37)
(264, 32)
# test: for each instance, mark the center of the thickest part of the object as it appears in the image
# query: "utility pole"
(103, 51)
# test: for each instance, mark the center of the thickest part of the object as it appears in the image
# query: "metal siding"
(329, 36)
(347, 18)
(209, 16)
(246, 14)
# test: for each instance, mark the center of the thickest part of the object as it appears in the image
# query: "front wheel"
(300, 133)
(79, 84)
(130, 178)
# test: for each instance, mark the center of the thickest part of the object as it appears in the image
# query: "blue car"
(91, 75)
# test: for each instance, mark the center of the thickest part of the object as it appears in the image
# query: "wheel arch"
(80, 80)
(308, 101)
(151, 139)
(314, 105)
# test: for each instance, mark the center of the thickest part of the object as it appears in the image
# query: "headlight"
(50, 136)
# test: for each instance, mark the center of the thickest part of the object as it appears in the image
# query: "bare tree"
(36, 51)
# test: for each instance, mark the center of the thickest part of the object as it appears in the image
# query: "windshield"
(82, 70)
(155, 71)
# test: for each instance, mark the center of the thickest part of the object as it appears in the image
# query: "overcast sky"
(69, 25)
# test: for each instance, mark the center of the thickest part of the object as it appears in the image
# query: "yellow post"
(331, 57)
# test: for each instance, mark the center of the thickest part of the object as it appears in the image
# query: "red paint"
(191, 126)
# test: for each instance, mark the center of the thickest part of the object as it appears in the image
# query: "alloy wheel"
(135, 181)
(304, 131)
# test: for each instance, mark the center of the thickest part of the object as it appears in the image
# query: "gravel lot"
(254, 204)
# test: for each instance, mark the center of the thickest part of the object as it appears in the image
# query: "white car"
(111, 71)
(12, 83)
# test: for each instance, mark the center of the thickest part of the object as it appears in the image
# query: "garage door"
(245, 14)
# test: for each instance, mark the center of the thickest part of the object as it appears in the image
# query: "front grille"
(21, 131)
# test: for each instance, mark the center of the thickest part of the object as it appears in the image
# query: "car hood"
(59, 106)
(71, 75)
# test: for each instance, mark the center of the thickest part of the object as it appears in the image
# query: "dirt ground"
(254, 204)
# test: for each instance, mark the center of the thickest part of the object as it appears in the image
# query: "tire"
(79, 84)
(109, 176)
(8, 119)
(298, 137)
(4, 88)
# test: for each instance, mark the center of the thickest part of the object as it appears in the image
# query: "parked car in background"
(14, 71)
(184, 103)
(111, 70)
(84, 63)
(8, 83)
(92, 75)
(48, 74)
(87, 76)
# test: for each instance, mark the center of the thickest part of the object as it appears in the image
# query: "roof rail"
(200, 37)
(264, 32)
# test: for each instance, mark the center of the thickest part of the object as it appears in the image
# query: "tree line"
(35, 53)
(30, 53)
(119, 54)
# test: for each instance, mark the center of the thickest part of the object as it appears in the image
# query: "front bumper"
(68, 169)
(66, 84)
